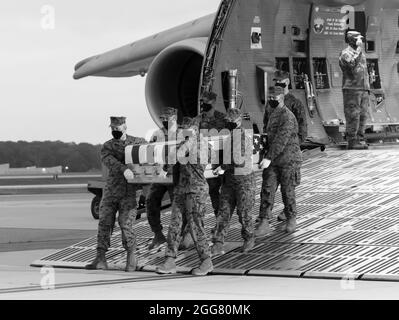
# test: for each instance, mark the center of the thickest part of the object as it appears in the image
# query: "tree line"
(80, 157)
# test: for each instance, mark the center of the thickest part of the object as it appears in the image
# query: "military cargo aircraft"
(235, 51)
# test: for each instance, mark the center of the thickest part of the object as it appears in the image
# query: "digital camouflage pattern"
(286, 158)
(356, 104)
(154, 202)
(288, 178)
(353, 64)
(297, 108)
(283, 144)
(119, 195)
(238, 190)
(190, 195)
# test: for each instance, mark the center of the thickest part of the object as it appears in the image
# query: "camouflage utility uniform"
(217, 122)
(355, 88)
(285, 155)
(190, 194)
(238, 188)
(157, 191)
(118, 195)
(296, 107)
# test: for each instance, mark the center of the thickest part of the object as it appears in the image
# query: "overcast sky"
(39, 100)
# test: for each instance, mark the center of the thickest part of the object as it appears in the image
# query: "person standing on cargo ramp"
(119, 196)
(282, 79)
(355, 89)
(281, 164)
(238, 188)
(190, 195)
(157, 190)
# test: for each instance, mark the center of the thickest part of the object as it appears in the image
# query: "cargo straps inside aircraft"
(213, 45)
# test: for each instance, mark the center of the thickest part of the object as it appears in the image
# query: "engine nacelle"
(173, 78)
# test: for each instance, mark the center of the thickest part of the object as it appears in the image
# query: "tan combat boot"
(158, 239)
(248, 245)
(99, 262)
(205, 267)
(131, 259)
(263, 228)
(168, 267)
(217, 249)
(290, 225)
(281, 216)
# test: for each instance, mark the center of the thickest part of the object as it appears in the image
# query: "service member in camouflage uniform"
(355, 88)
(212, 119)
(281, 164)
(157, 190)
(238, 189)
(119, 196)
(190, 196)
(282, 79)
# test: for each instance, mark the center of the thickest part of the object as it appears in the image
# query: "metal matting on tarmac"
(348, 225)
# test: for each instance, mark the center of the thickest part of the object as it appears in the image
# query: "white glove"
(129, 175)
(359, 42)
(265, 163)
(163, 173)
(218, 171)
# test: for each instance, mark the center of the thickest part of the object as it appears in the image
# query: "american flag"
(260, 141)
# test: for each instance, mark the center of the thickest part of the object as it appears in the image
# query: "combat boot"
(248, 245)
(158, 239)
(290, 225)
(217, 249)
(263, 228)
(99, 262)
(168, 267)
(205, 267)
(131, 259)
(186, 242)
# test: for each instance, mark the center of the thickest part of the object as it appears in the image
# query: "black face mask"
(281, 84)
(274, 103)
(117, 134)
(231, 125)
(165, 124)
(205, 107)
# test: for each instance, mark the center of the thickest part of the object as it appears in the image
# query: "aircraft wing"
(135, 58)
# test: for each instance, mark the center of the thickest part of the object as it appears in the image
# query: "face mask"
(274, 103)
(206, 107)
(117, 134)
(281, 84)
(231, 125)
(165, 124)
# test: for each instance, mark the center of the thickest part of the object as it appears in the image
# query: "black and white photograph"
(199, 156)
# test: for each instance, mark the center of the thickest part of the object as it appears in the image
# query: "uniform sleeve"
(109, 160)
(300, 115)
(284, 131)
(139, 140)
(266, 117)
(348, 60)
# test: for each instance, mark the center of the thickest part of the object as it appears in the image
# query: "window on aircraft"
(300, 67)
(320, 73)
(300, 46)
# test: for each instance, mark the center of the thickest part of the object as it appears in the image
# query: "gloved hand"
(129, 175)
(163, 173)
(265, 163)
(359, 42)
(218, 171)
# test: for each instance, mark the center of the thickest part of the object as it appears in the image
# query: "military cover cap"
(233, 114)
(275, 91)
(209, 97)
(117, 121)
(281, 75)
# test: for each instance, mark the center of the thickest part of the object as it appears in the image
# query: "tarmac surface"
(48, 222)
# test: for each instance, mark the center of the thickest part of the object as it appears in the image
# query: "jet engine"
(173, 78)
